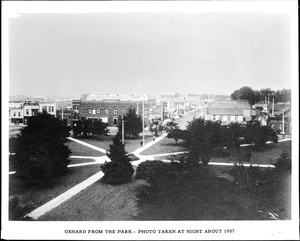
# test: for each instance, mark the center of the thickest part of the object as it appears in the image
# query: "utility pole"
(282, 121)
(123, 142)
(143, 122)
(163, 111)
(273, 107)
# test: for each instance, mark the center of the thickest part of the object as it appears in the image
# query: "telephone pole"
(143, 121)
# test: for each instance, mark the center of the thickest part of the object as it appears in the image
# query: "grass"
(268, 155)
(80, 150)
(81, 160)
(105, 142)
(200, 195)
(99, 202)
(35, 196)
(166, 145)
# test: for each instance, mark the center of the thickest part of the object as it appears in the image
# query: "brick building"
(107, 110)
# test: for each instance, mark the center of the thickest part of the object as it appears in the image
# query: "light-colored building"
(16, 112)
(31, 108)
(229, 111)
(48, 106)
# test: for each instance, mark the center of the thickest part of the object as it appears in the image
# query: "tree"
(245, 93)
(170, 126)
(202, 137)
(93, 127)
(176, 134)
(119, 170)
(258, 135)
(41, 153)
(232, 134)
(133, 124)
(155, 126)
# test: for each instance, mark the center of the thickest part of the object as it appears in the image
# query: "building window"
(229, 118)
(115, 121)
(221, 117)
(236, 117)
(44, 108)
(98, 110)
(19, 113)
(124, 111)
(27, 111)
(14, 113)
(90, 111)
(106, 110)
(214, 117)
(75, 107)
(115, 111)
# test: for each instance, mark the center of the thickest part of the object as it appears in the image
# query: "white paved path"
(88, 145)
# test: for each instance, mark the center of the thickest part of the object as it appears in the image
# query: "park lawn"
(105, 142)
(34, 196)
(81, 150)
(80, 160)
(99, 202)
(164, 146)
(203, 196)
(268, 155)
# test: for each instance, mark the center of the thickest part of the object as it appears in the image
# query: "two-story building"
(16, 112)
(31, 108)
(48, 106)
(107, 110)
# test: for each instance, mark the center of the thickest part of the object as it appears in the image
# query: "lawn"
(35, 196)
(81, 150)
(105, 141)
(80, 160)
(268, 155)
(164, 146)
(201, 195)
(99, 202)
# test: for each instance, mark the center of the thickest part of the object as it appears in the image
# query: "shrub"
(154, 172)
(40, 150)
(17, 208)
(283, 163)
(119, 170)
(246, 177)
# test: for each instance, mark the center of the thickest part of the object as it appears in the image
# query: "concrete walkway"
(88, 145)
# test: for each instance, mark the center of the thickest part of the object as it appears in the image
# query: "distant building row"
(276, 116)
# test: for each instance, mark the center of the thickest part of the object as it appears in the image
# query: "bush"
(246, 177)
(154, 172)
(283, 163)
(119, 170)
(40, 150)
(17, 208)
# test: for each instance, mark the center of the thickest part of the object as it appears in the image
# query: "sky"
(148, 53)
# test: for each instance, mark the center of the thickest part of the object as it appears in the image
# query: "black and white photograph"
(150, 120)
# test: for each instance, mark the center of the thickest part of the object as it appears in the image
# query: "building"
(16, 112)
(107, 110)
(31, 108)
(230, 111)
(280, 116)
(48, 106)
